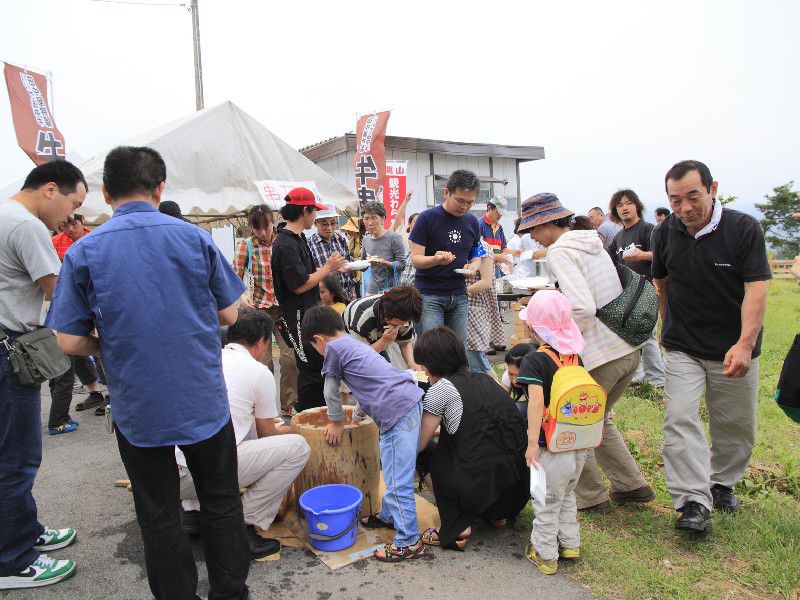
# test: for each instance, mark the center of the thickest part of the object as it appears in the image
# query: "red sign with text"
(36, 129)
(370, 160)
(394, 188)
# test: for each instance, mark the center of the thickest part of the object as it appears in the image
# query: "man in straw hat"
(587, 277)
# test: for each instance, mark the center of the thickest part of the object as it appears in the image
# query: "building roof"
(344, 143)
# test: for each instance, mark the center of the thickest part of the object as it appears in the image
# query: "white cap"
(500, 203)
(329, 213)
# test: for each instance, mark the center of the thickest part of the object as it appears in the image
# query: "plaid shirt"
(322, 249)
(261, 267)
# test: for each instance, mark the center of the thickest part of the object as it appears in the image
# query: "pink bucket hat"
(549, 313)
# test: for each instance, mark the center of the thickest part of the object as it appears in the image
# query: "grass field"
(634, 552)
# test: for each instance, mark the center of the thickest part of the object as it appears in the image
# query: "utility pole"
(198, 66)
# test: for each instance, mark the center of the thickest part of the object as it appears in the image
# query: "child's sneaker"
(548, 567)
(63, 428)
(570, 553)
(45, 571)
(55, 539)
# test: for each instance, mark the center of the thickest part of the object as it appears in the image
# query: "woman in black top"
(478, 465)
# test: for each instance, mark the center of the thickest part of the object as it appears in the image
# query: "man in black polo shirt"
(296, 284)
(631, 247)
(710, 268)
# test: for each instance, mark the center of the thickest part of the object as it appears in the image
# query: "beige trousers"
(691, 468)
(267, 467)
(287, 391)
(612, 454)
(556, 522)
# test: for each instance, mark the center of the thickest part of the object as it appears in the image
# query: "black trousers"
(310, 382)
(61, 388)
(153, 473)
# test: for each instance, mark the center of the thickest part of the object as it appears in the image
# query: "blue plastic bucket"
(331, 512)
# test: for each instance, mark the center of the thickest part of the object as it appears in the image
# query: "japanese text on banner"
(370, 159)
(394, 188)
(37, 133)
(273, 192)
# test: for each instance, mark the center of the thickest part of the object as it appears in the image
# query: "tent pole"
(198, 67)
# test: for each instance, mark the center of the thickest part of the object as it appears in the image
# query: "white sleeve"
(265, 407)
(506, 379)
(573, 285)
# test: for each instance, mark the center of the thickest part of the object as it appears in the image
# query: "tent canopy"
(213, 157)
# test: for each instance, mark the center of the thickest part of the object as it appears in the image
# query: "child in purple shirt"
(394, 401)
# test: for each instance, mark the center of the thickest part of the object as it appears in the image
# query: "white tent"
(213, 157)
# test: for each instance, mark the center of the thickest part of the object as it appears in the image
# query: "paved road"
(75, 488)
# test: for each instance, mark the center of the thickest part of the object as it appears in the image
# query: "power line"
(143, 3)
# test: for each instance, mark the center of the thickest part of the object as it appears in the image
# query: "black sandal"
(394, 554)
(373, 522)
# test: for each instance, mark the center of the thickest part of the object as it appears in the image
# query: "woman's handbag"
(634, 313)
(35, 356)
(788, 393)
(249, 280)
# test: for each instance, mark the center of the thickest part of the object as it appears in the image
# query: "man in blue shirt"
(445, 238)
(156, 289)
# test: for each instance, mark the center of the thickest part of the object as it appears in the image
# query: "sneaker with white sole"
(55, 539)
(44, 571)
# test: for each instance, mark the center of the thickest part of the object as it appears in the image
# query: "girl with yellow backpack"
(565, 419)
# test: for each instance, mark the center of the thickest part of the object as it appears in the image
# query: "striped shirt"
(587, 277)
(260, 265)
(443, 400)
(321, 249)
(362, 320)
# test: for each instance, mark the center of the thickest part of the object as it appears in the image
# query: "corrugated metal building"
(429, 164)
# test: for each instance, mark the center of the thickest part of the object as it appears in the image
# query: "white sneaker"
(55, 539)
(45, 571)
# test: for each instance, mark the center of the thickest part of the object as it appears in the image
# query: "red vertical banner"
(370, 160)
(394, 188)
(36, 129)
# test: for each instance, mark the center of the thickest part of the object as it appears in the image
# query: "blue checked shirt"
(321, 249)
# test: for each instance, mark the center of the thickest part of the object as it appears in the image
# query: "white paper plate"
(357, 265)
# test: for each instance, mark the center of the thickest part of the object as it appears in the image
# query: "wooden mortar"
(356, 461)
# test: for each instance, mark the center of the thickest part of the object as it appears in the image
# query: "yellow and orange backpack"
(574, 418)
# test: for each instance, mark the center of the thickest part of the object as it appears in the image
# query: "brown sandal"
(427, 538)
(392, 553)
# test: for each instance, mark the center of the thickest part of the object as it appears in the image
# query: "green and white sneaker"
(45, 571)
(55, 539)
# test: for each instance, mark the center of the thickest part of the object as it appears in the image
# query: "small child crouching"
(555, 531)
(394, 402)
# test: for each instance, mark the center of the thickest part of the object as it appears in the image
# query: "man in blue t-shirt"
(157, 289)
(446, 238)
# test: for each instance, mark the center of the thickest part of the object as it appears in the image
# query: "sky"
(615, 91)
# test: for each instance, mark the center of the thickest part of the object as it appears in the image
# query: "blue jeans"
(444, 310)
(398, 462)
(478, 363)
(20, 457)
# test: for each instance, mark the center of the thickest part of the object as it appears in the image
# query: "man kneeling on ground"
(269, 456)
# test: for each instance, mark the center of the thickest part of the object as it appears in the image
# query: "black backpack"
(634, 313)
(788, 393)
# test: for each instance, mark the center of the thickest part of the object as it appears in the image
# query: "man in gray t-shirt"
(384, 249)
(29, 267)
(605, 227)
(26, 256)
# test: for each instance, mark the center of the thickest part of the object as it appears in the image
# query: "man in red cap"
(296, 283)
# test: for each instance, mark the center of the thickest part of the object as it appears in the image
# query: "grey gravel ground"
(75, 489)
